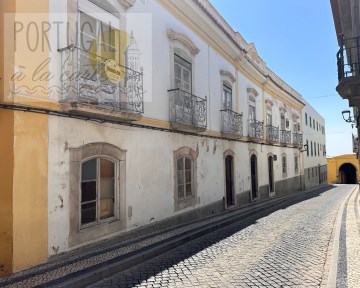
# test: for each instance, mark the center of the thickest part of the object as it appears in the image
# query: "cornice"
(175, 36)
(228, 74)
(252, 92)
(269, 102)
(126, 3)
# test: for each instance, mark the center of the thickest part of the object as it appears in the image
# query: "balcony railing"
(272, 133)
(232, 123)
(93, 80)
(285, 137)
(187, 109)
(297, 139)
(348, 57)
(256, 129)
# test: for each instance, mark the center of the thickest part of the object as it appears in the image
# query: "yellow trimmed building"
(343, 169)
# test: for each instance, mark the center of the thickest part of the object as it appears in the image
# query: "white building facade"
(315, 163)
(186, 125)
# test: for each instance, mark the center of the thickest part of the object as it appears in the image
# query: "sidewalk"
(348, 268)
(95, 262)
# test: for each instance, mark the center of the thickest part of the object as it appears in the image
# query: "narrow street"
(286, 248)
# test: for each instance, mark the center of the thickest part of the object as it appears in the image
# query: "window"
(182, 73)
(185, 177)
(284, 165)
(227, 96)
(97, 191)
(98, 197)
(306, 121)
(296, 164)
(314, 149)
(312, 170)
(310, 121)
(282, 123)
(314, 124)
(268, 116)
(311, 147)
(308, 148)
(318, 149)
(308, 171)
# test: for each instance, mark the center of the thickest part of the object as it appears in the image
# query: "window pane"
(87, 24)
(180, 164)
(88, 213)
(88, 170)
(88, 191)
(107, 168)
(188, 190)
(181, 191)
(177, 71)
(106, 208)
(187, 163)
(180, 177)
(188, 176)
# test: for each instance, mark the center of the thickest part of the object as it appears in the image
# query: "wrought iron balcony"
(94, 85)
(297, 139)
(348, 57)
(285, 137)
(187, 112)
(256, 129)
(272, 133)
(232, 123)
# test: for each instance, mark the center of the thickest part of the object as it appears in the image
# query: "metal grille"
(272, 133)
(256, 129)
(285, 137)
(232, 123)
(86, 78)
(348, 57)
(297, 139)
(186, 108)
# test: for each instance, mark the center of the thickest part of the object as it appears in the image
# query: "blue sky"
(297, 40)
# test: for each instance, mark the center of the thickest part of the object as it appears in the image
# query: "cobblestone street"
(287, 248)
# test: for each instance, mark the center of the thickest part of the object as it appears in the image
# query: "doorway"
(347, 174)
(254, 179)
(229, 175)
(271, 174)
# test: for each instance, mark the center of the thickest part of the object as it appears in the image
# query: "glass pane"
(106, 208)
(107, 188)
(180, 164)
(186, 87)
(180, 179)
(187, 163)
(186, 75)
(88, 191)
(88, 213)
(182, 62)
(88, 44)
(188, 190)
(107, 169)
(177, 71)
(181, 191)
(188, 176)
(87, 24)
(88, 170)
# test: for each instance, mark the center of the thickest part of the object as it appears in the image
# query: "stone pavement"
(290, 247)
(120, 253)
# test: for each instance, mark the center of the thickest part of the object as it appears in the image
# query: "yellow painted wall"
(6, 159)
(23, 151)
(333, 165)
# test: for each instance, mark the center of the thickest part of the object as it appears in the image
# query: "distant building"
(343, 169)
(315, 170)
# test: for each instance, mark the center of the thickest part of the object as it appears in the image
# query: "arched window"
(185, 178)
(227, 96)
(97, 201)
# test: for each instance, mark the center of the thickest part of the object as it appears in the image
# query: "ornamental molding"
(252, 92)
(228, 74)
(269, 102)
(295, 117)
(283, 109)
(182, 38)
(126, 3)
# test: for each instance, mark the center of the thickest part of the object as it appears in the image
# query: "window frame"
(182, 203)
(78, 233)
(284, 165)
(98, 191)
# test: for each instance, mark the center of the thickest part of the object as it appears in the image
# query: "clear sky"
(297, 40)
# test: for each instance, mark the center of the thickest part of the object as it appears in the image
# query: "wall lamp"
(305, 148)
(350, 119)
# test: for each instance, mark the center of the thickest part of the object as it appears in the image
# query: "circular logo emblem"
(113, 71)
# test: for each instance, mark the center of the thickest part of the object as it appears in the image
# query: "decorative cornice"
(228, 74)
(126, 3)
(252, 92)
(295, 117)
(175, 36)
(269, 102)
(283, 109)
